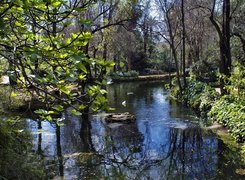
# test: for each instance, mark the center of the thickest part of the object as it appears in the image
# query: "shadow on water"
(165, 142)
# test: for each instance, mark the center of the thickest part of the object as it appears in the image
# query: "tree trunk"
(85, 132)
(226, 37)
(183, 41)
(224, 41)
(174, 53)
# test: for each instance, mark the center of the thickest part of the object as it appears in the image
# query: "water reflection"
(165, 142)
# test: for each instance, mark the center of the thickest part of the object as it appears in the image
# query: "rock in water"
(120, 117)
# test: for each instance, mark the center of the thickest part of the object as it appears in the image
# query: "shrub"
(208, 98)
(16, 161)
(205, 71)
(12, 99)
(231, 113)
(197, 95)
(131, 74)
(228, 110)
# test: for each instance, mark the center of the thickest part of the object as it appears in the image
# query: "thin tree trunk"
(174, 53)
(183, 41)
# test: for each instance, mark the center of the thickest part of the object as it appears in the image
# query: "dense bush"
(231, 113)
(204, 71)
(16, 161)
(197, 95)
(229, 110)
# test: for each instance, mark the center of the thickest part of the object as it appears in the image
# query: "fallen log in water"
(120, 117)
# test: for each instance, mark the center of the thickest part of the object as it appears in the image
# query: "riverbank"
(155, 114)
(131, 147)
(227, 110)
(166, 77)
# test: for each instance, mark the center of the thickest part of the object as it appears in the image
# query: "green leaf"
(20, 130)
(103, 91)
(52, 112)
(82, 76)
(75, 112)
(82, 107)
(85, 21)
(58, 108)
(122, 64)
(49, 118)
(82, 67)
(60, 124)
(56, 4)
(20, 9)
(67, 24)
(18, 24)
(112, 109)
(65, 90)
(110, 64)
(41, 112)
(13, 94)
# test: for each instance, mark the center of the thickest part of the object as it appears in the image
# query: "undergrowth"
(228, 110)
(16, 159)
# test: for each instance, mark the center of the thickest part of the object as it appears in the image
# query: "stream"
(167, 141)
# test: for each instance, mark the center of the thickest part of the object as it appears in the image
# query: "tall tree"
(170, 31)
(223, 31)
(183, 41)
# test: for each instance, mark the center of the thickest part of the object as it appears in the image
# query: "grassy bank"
(134, 76)
(228, 110)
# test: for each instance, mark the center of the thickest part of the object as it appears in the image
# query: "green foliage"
(208, 97)
(3, 66)
(197, 95)
(204, 71)
(231, 113)
(193, 92)
(16, 162)
(160, 61)
(243, 153)
(12, 99)
(236, 82)
(174, 89)
(229, 110)
(47, 115)
(45, 53)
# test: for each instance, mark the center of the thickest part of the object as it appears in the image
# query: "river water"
(167, 141)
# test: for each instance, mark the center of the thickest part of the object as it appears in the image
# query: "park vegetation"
(60, 54)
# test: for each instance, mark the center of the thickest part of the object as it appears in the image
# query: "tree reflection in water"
(121, 150)
(124, 155)
(164, 143)
(59, 150)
